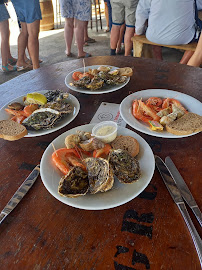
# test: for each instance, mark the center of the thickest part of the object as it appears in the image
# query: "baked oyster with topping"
(125, 167)
(74, 184)
(42, 118)
(100, 175)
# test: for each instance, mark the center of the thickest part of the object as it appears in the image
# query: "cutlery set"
(179, 191)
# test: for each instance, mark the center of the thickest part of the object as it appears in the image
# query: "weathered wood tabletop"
(145, 233)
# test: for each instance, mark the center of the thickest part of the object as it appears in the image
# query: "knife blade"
(175, 194)
(184, 190)
(20, 193)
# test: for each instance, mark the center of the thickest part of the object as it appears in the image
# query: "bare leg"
(68, 33)
(127, 40)
(22, 44)
(79, 27)
(115, 33)
(107, 17)
(5, 51)
(120, 41)
(186, 56)
(33, 42)
(157, 52)
(85, 31)
(196, 59)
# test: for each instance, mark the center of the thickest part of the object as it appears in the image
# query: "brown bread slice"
(126, 71)
(187, 124)
(11, 130)
(127, 143)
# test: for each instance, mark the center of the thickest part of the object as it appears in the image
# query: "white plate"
(104, 89)
(118, 195)
(190, 103)
(61, 123)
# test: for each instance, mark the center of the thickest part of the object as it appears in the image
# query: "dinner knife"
(20, 193)
(184, 190)
(175, 194)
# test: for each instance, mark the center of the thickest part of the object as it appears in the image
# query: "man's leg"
(68, 33)
(196, 59)
(33, 42)
(127, 40)
(115, 33)
(79, 27)
(186, 56)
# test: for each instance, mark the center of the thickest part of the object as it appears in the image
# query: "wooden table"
(145, 233)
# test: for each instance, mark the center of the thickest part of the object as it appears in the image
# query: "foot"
(12, 61)
(85, 55)
(8, 68)
(107, 30)
(90, 40)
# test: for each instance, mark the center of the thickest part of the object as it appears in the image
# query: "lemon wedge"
(36, 98)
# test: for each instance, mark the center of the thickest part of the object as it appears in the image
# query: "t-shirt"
(170, 22)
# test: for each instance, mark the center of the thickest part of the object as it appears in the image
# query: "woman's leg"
(22, 44)
(68, 33)
(106, 16)
(33, 42)
(196, 59)
(186, 56)
(127, 40)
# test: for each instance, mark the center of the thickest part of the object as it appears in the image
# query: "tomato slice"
(102, 152)
(75, 75)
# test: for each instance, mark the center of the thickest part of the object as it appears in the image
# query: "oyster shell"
(125, 167)
(42, 118)
(61, 106)
(99, 175)
(55, 95)
(74, 184)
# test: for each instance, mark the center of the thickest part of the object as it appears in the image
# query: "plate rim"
(159, 135)
(43, 160)
(86, 91)
(47, 131)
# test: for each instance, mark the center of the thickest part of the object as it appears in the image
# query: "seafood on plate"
(157, 112)
(40, 111)
(93, 169)
(97, 78)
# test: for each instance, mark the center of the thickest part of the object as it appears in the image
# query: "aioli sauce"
(107, 131)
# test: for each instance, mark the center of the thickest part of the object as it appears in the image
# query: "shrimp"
(169, 101)
(65, 159)
(29, 109)
(137, 112)
(148, 111)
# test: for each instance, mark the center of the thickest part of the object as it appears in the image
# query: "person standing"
(76, 14)
(123, 11)
(7, 59)
(29, 14)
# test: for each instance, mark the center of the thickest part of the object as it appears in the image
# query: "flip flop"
(107, 30)
(26, 68)
(90, 40)
(6, 69)
(84, 56)
(69, 55)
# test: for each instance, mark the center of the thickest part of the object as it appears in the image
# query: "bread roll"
(126, 71)
(126, 143)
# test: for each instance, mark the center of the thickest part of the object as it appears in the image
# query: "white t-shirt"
(170, 22)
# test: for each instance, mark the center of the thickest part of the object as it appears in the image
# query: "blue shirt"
(170, 22)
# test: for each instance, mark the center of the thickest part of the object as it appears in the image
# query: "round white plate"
(118, 195)
(104, 89)
(61, 123)
(190, 103)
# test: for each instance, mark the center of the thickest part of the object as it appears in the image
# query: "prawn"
(65, 159)
(148, 111)
(154, 103)
(169, 101)
(138, 113)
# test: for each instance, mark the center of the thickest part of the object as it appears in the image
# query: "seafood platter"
(98, 79)
(86, 171)
(150, 111)
(42, 112)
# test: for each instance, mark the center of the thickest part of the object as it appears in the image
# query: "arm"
(196, 59)
(142, 14)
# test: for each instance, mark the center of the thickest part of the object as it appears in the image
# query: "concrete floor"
(52, 46)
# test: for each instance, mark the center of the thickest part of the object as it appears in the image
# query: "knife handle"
(197, 213)
(194, 234)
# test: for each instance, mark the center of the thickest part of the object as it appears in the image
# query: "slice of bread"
(11, 130)
(126, 71)
(185, 125)
(126, 143)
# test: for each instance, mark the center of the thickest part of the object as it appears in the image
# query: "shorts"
(79, 9)
(27, 10)
(3, 13)
(123, 11)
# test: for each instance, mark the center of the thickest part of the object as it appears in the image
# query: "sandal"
(6, 69)
(84, 56)
(24, 68)
(12, 61)
(90, 40)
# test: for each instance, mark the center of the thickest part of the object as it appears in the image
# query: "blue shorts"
(3, 13)
(79, 9)
(27, 10)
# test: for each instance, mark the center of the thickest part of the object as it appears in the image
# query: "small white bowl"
(105, 131)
